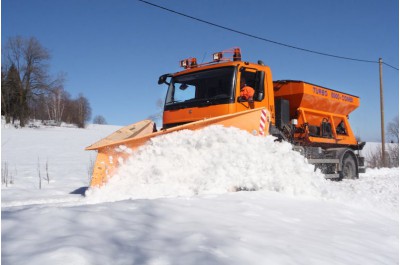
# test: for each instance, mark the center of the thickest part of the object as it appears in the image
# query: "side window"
(254, 79)
(249, 77)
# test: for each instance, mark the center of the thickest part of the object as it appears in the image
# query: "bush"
(374, 158)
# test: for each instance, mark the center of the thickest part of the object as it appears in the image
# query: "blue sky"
(114, 51)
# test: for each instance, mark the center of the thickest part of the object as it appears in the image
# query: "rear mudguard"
(114, 149)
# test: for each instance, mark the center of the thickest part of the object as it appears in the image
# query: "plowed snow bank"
(218, 160)
(214, 160)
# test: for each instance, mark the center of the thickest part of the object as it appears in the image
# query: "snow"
(173, 203)
(211, 161)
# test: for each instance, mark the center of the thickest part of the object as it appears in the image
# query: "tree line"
(29, 92)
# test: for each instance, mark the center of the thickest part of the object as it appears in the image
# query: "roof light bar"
(234, 54)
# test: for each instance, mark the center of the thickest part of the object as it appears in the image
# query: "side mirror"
(240, 99)
(163, 79)
(258, 96)
(183, 87)
(259, 86)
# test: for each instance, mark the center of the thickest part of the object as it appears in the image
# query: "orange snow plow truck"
(314, 119)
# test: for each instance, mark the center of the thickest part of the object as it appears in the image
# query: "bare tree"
(13, 53)
(30, 58)
(84, 111)
(374, 159)
(393, 129)
(393, 132)
(98, 119)
(393, 151)
(56, 103)
(78, 111)
(35, 77)
(158, 115)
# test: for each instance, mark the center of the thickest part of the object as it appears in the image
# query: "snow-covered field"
(172, 203)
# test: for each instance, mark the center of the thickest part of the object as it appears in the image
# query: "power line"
(264, 39)
(390, 66)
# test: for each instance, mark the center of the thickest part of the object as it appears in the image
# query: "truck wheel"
(349, 167)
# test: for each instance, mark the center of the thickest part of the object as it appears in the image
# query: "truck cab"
(213, 89)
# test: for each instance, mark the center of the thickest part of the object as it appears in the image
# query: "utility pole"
(382, 114)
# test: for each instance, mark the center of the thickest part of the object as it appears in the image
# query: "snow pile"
(218, 160)
(214, 160)
(377, 188)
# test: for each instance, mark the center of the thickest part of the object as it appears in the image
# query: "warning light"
(188, 63)
(233, 54)
(193, 62)
(237, 55)
(183, 63)
(217, 56)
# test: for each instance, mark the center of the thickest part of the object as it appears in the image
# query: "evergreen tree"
(14, 105)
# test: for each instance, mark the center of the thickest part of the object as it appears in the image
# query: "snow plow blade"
(114, 149)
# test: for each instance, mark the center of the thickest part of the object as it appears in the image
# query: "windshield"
(210, 86)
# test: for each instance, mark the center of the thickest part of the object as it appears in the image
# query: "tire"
(349, 167)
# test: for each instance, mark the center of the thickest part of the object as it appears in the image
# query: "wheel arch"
(341, 153)
(350, 153)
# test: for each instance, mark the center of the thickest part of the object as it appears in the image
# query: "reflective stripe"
(263, 118)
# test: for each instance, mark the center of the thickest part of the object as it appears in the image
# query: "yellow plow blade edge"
(114, 149)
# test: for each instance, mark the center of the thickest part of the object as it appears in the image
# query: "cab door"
(255, 79)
